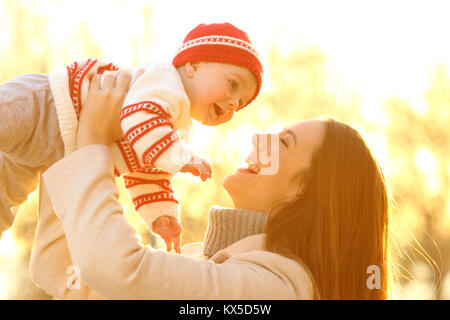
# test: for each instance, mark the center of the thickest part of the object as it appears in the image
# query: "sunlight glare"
(373, 51)
(425, 161)
(7, 245)
(229, 147)
(5, 284)
(371, 111)
(5, 34)
(378, 144)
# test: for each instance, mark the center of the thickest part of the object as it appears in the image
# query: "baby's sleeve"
(155, 101)
(149, 188)
(152, 194)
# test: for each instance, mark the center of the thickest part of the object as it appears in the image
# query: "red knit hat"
(224, 43)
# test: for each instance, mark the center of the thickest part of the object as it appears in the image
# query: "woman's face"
(260, 191)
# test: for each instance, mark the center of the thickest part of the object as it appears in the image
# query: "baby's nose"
(234, 104)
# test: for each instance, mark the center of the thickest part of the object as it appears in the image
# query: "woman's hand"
(99, 121)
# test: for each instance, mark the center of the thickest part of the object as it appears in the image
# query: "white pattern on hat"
(218, 40)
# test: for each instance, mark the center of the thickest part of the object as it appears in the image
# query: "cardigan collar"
(227, 226)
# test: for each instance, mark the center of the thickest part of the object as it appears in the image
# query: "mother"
(311, 230)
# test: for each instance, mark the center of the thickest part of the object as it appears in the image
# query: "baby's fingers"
(168, 242)
(205, 172)
(176, 243)
(208, 167)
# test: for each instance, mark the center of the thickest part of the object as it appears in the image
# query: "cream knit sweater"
(92, 237)
(154, 116)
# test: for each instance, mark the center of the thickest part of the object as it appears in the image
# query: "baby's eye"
(233, 84)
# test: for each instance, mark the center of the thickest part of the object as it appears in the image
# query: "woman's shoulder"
(288, 269)
(251, 251)
(193, 249)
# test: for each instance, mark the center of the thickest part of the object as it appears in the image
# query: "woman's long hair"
(338, 224)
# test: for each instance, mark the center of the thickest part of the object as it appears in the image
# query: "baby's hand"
(198, 167)
(169, 229)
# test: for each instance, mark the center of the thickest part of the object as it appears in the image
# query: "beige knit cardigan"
(92, 240)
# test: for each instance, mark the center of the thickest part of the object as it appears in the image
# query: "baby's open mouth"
(218, 110)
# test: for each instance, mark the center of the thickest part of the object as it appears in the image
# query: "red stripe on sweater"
(152, 170)
(154, 152)
(139, 130)
(134, 181)
(83, 72)
(153, 197)
(76, 84)
(76, 76)
(128, 155)
(71, 71)
(148, 106)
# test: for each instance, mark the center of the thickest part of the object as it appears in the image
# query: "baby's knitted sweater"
(154, 116)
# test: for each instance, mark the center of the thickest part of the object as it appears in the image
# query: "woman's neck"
(251, 206)
(229, 225)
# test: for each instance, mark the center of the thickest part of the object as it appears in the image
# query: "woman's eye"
(283, 142)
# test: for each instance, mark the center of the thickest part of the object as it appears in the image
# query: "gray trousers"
(30, 140)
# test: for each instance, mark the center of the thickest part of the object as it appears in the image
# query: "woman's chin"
(238, 181)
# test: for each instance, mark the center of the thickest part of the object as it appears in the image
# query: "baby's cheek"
(218, 91)
(227, 117)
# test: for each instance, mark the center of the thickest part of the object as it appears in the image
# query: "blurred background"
(382, 66)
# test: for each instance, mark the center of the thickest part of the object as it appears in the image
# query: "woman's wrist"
(99, 119)
(89, 136)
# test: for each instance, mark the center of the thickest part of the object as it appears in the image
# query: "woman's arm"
(107, 253)
(51, 266)
(110, 258)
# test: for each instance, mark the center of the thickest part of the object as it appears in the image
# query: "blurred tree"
(30, 51)
(24, 56)
(419, 151)
(300, 89)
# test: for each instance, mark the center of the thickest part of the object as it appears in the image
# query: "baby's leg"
(16, 182)
(30, 140)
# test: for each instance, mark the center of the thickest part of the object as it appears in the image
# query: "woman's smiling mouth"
(252, 166)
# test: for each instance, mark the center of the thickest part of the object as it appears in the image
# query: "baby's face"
(217, 90)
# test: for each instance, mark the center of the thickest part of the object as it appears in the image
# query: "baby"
(214, 73)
